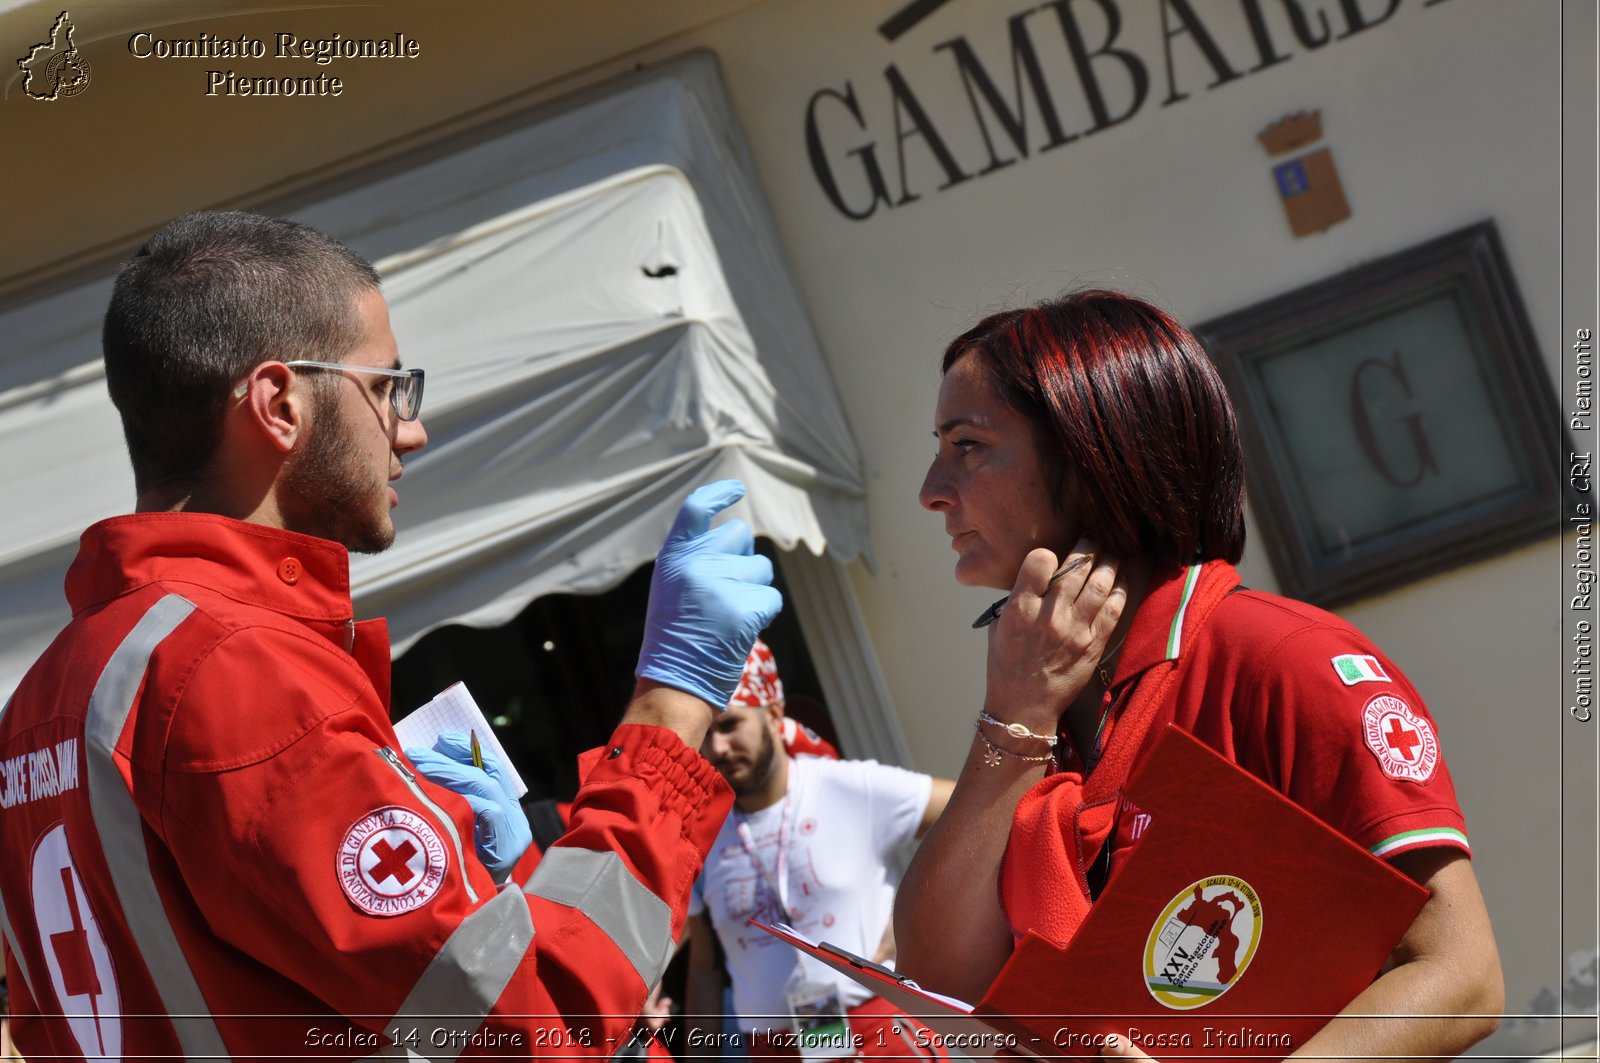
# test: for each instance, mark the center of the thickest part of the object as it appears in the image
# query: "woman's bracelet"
(992, 757)
(1016, 730)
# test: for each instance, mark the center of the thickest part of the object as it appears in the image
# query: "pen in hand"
(991, 614)
(477, 750)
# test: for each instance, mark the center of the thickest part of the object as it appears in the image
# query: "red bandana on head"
(759, 685)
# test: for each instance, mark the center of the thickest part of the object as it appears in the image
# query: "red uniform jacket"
(214, 848)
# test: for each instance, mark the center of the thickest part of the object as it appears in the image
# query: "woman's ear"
(1072, 503)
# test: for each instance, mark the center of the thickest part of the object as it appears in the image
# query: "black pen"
(991, 614)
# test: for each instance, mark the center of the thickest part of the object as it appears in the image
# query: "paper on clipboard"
(951, 1019)
(453, 709)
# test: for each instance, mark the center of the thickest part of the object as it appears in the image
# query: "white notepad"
(453, 709)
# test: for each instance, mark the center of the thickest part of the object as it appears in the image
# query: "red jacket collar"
(293, 575)
(296, 575)
(1160, 631)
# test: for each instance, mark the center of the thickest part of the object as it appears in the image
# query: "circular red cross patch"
(1402, 741)
(391, 861)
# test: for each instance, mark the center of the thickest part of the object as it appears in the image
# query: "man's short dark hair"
(208, 298)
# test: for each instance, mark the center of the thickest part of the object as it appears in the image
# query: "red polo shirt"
(1290, 693)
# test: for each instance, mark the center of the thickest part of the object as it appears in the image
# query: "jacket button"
(289, 570)
(615, 753)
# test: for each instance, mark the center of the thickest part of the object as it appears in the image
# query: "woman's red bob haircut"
(1136, 414)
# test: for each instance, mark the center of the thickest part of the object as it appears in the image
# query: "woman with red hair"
(1088, 462)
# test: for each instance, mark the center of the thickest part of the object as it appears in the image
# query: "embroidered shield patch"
(1402, 741)
(391, 861)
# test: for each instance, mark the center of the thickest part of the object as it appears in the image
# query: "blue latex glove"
(709, 599)
(500, 830)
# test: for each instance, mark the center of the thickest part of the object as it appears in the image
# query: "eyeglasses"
(405, 396)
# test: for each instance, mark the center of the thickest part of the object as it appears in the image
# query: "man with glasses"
(216, 847)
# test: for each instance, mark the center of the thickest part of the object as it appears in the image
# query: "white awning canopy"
(599, 299)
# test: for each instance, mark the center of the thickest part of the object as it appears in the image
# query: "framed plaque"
(1396, 419)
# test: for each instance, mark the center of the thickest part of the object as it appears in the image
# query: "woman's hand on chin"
(1050, 636)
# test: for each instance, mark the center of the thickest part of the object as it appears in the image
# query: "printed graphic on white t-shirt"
(847, 819)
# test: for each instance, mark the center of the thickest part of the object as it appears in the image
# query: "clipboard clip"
(867, 965)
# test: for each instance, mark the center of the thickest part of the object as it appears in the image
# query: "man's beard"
(761, 770)
(335, 495)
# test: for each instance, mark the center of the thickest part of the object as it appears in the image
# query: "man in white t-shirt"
(811, 842)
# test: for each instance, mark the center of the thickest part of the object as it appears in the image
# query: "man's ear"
(774, 713)
(276, 407)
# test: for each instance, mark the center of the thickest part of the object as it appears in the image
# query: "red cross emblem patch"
(391, 861)
(1402, 741)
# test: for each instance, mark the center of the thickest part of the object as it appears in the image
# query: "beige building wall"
(1439, 115)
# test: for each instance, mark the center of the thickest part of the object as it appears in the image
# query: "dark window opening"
(555, 680)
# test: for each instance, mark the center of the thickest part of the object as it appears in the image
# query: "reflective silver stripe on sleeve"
(5, 919)
(11, 943)
(467, 975)
(121, 831)
(601, 887)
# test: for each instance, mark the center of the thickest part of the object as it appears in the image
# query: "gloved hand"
(500, 830)
(709, 598)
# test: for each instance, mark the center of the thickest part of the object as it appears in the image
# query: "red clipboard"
(1290, 922)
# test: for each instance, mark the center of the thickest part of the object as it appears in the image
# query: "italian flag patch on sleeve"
(1355, 668)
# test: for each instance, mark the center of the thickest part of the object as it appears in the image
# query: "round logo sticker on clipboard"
(1202, 942)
